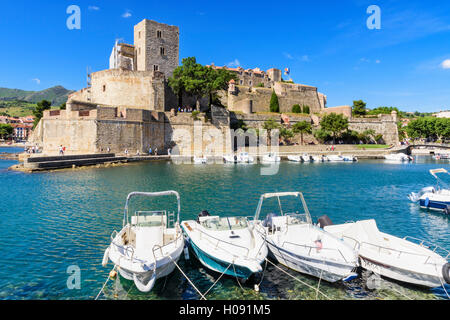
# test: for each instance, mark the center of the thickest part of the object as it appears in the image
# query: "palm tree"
(270, 125)
(302, 127)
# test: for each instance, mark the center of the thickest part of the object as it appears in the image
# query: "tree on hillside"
(219, 79)
(62, 106)
(270, 125)
(274, 103)
(192, 78)
(296, 108)
(198, 80)
(38, 112)
(359, 108)
(6, 130)
(286, 134)
(302, 127)
(306, 109)
(334, 123)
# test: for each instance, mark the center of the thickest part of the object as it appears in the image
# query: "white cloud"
(377, 61)
(38, 81)
(288, 55)
(445, 64)
(234, 63)
(305, 58)
(93, 8)
(127, 14)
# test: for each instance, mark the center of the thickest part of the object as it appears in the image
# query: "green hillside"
(56, 95)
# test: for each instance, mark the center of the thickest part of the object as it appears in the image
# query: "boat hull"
(334, 272)
(402, 275)
(218, 265)
(434, 205)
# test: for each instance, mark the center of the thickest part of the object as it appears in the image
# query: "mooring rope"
(237, 279)
(318, 285)
(106, 282)
(187, 278)
(214, 284)
(295, 278)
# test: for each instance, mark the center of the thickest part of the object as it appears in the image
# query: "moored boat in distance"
(434, 198)
(299, 245)
(398, 157)
(306, 158)
(244, 157)
(339, 158)
(295, 158)
(226, 245)
(395, 258)
(200, 160)
(148, 245)
(270, 158)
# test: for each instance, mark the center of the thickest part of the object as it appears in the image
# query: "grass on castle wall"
(373, 146)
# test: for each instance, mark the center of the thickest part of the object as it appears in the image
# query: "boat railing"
(400, 252)
(160, 247)
(316, 248)
(221, 240)
(424, 243)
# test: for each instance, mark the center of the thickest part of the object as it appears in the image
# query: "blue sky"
(325, 43)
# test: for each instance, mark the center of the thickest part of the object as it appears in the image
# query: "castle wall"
(288, 96)
(385, 125)
(125, 88)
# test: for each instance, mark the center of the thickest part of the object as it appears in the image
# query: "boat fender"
(142, 287)
(427, 202)
(186, 253)
(324, 221)
(446, 272)
(106, 257)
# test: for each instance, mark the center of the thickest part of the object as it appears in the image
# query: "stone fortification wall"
(125, 88)
(288, 96)
(383, 124)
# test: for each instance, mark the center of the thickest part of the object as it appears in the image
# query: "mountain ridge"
(56, 95)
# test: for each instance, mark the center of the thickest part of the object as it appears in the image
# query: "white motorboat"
(148, 244)
(317, 159)
(339, 158)
(433, 198)
(398, 157)
(244, 157)
(200, 160)
(299, 245)
(295, 158)
(307, 158)
(230, 158)
(442, 156)
(271, 158)
(226, 245)
(395, 258)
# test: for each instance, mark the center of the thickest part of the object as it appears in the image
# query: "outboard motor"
(202, 214)
(268, 222)
(324, 221)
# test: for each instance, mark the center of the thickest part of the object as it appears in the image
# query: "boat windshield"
(149, 219)
(296, 218)
(224, 224)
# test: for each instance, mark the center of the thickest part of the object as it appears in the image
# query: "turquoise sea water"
(50, 221)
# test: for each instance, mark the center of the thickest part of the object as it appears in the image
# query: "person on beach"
(169, 151)
(150, 151)
(61, 152)
(126, 152)
(156, 151)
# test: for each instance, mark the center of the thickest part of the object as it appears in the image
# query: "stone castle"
(130, 106)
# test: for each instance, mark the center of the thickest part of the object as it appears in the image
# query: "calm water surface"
(50, 221)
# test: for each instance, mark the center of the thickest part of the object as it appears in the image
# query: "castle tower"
(157, 47)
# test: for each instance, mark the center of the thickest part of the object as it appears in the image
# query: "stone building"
(254, 77)
(157, 47)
